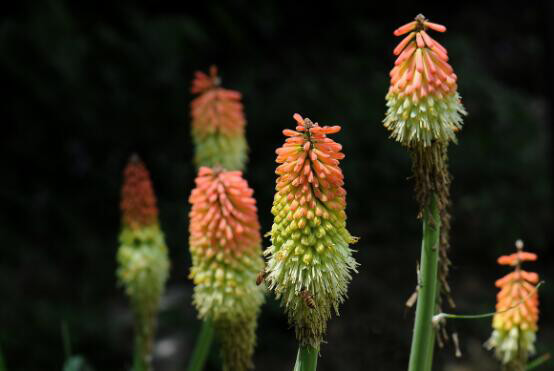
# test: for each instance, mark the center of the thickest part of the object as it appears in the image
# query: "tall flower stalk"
(142, 257)
(424, 114)
(515, 323)
(310, 261)
(217, 123)
(225, 244)
(229, 302)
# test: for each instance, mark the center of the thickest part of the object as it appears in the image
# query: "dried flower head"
(310, 262)
(423, 102)
(142, 254)
(217, 123)
(225, 244)
(515, 323)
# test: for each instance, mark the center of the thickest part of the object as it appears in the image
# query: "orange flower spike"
(310, 244)
(423, 103)
(143, 263)
(515, 323)
(225, 245)
(218, 123)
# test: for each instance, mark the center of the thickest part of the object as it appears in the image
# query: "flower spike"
(423, 102)
(217, 123)
(513, 337)
(142, 256)
(225, 244)
(310, 263)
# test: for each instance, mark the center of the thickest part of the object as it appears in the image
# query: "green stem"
(430, 352)
(202, 348)
(145, 324)
(440, 316)
(306, 359)
(66, 340)
(539, 361)
(421, 353)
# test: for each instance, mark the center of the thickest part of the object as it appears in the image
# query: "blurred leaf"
(77, 363)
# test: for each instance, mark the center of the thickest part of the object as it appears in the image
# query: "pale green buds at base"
(512, 345)
(424, 121)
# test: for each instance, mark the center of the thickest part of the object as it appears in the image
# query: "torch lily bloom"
(142, 256)
(225, 245)
(217, 124)
(423, 102)
(515, 323)
(310, 262)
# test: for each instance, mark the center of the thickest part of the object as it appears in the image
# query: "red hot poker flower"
(216, 108)
(515, 322)
(310, 262)
(226, 258)
(217, 123)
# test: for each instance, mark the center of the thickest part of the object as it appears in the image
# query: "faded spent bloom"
(142, 254)
(225, 245)
(217, 123)
(423, 102)
(515, 323)
(310, 263)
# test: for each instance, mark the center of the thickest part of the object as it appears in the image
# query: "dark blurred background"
(86, 84)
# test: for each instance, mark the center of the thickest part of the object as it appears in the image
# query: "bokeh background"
(86, 84)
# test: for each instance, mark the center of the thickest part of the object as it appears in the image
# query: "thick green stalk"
(145, 325)
(202, 348)
(538, 362)
(421, 353)
(306, 359)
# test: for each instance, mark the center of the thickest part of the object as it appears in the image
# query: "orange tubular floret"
(223, 212)
(405, 29)
(403, 43)
(435, 26)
